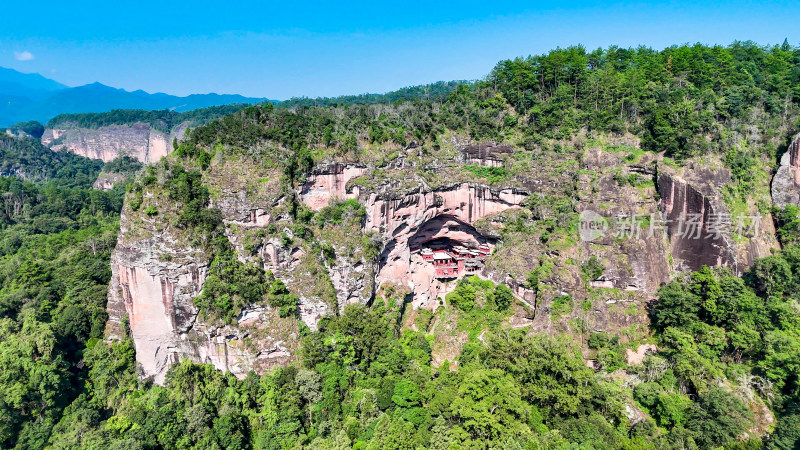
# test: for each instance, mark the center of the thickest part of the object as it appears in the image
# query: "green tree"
(503, 297)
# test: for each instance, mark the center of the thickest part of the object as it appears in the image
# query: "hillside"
(29, 160)
(584, 250)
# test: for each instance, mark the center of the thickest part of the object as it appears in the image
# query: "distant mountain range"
(31, 96)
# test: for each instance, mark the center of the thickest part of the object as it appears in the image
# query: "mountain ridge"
(31, 96)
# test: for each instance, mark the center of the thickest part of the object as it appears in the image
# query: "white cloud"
(24, 56)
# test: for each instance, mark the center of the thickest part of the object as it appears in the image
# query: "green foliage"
(742, 164)
(431, 92)
(503, 297)
(55, 243)
(532, 280)
(187, 189)
(492, 174)
(279, 297)
(32, 128)
(336, 212)
(592, 269)
(718, 418)
(712, 317)
(677, 93)
(787, 221)
(30, 160)
(360, 382)
(232, 285)
(123, 164)
(787, 433)
(463, 296)
(561, 304)
(194, 153)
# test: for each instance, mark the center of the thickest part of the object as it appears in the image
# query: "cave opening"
(454, 248)
(462, 252)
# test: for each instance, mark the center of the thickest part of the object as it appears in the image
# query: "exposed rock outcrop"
(690, 217)
(106, 180)
(786, 183)
(329, 182)
(330, 263)
(158, 270)
(486, 153)
(139, 141)
(155, 277)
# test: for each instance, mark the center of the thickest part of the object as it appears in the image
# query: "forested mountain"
(25, 97)
(430, 92)
(268, 289)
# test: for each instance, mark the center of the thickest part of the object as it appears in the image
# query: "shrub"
(280, 298)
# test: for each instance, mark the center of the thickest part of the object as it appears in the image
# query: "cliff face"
(786, 183)
(329, 182)
(701, 228)
(138, 141)
(528, 222)
(158, 270)
(156, 274)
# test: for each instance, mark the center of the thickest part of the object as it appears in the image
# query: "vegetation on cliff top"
(430, 92)
(163, 120)
(685, 101)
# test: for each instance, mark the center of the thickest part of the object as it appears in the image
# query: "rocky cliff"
(786, 183)
(329, 182)
(701, 228)
(330, 253)
(157, 271)
(138, 140)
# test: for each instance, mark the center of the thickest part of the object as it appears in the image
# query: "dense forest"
(30, 128)
(362, 381)
(57, 235)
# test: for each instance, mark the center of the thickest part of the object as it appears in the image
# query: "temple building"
(456, 261)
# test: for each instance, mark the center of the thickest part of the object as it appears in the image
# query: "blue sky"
(284, 49)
